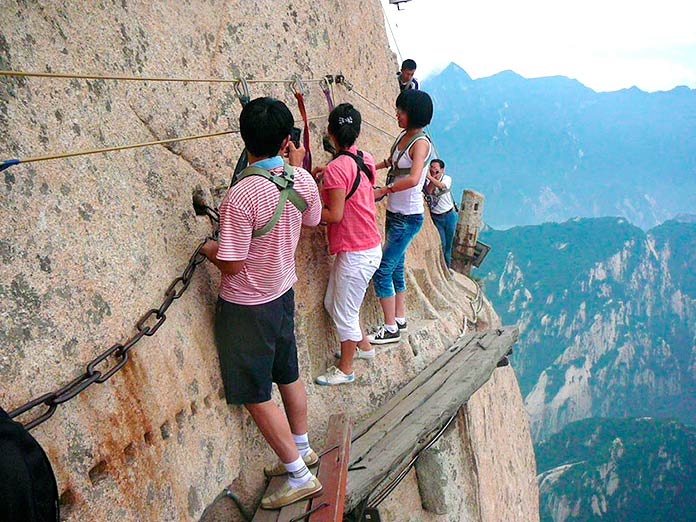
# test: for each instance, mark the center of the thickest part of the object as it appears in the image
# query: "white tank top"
(409, 201)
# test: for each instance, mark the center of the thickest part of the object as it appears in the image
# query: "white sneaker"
(359, 354)
(334, 376)
(384, 336)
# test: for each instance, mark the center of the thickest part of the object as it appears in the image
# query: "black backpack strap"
(361, 167)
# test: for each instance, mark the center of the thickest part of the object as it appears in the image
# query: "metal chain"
(99, 370)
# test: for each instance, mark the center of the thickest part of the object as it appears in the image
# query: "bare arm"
(333, 208)
(434, 182)
(384, 164)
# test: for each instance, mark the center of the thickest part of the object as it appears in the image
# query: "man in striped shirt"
(254, 322)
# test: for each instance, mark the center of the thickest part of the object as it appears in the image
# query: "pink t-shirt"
(358, 228)
(269, 268)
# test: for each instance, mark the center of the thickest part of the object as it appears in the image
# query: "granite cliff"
(90, 243)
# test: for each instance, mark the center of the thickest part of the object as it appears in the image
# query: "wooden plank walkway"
(391, 436)
(332, 473)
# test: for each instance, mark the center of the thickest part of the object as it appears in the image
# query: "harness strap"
(285, 184)
(394, 170)
(361, 167)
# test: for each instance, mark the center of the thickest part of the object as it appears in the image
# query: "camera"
(295, 137)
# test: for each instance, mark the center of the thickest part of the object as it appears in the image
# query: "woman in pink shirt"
(349, 211)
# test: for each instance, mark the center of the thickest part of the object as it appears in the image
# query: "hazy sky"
(605, 44)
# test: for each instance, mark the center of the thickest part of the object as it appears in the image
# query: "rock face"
(91, 243)
(607, 317)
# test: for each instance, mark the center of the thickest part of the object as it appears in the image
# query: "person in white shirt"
(408, 162)
(438, 190)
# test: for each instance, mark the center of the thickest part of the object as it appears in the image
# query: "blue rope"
(8, 163)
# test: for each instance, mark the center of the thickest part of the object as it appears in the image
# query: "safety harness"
(394, 171)
(284, 182)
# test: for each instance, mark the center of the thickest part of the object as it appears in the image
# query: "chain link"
(106, 364)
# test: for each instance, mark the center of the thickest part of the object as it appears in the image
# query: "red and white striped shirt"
(269, 260)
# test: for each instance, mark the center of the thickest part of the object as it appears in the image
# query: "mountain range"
(550, 149)
(611, 470)
(607, 316)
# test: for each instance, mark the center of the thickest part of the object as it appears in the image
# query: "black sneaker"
(384, 336)
(403, 327)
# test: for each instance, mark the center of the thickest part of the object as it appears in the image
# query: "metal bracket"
(241, 87)
(341, 80)
(297, 87)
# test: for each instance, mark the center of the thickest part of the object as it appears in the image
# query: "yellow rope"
(138, 145)
(141, 78)
(122, 147)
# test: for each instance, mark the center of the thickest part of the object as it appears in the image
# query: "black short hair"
(264, 123)
(408, 65)
(418, 107)
(439, 162)
(344, 124)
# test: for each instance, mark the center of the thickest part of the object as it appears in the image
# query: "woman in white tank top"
(408, 162)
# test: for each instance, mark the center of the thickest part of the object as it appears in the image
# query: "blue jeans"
(446, 225)
(400, 230)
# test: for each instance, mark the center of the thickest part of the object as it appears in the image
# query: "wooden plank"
(333, 472)
(408, 405)
(396, 445)
(455, 382)
(442, 396)
(293, 510)
(413, 385)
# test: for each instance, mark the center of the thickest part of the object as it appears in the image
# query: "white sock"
(298, 473)
(400, 320)
(391, 328)
(302, 443)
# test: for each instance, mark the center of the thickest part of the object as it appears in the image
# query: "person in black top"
(405, 76)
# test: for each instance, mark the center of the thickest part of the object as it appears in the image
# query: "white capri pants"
(350, 274)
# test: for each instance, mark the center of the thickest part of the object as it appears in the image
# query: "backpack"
(284, 182)
(28, 490)
(361, 168)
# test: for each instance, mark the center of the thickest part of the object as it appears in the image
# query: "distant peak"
(455, 70)
(508, 74)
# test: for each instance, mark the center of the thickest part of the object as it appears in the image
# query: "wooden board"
(393, 435)
(333, 472)
(413, 385)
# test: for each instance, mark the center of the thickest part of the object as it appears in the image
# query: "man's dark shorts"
(256, 345)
